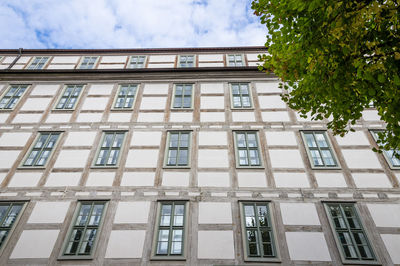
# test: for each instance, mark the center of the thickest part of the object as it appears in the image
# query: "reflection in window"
(9, 213)
(110, 149)
(183, 96)
(178, 148)
(319, 149)
(241, 95)
(247, 148)
(126, 96)
(11, 97)
(42, 149)
(69, 97)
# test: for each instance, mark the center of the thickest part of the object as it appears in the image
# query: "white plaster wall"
(2, 176)
(17, 66)
(211, 64)
(299, 214)
(212, 102)
(142, 158)
(252, 56)
(381, 212)
(276, 116)
(35, 244)
(175, 179)
(268, 87)
(212, 88)
(36, 104)
(212, 117)
(155, 88)
(125, 244)
(297, 180)
(162, 58)
(146, 138)
(213, 179)
(8, 158)
(153, 103)
(213, 158)
(150, 117)
(98, 103)
(63, 179)
(316, 248)
(101, 89)
(137, 179)
(370, 180)
(49, 212)
(353, 138)
(89, 117)
(215, 245)
(9, 59)
(330, 179)
(361, 158)
(119, 117)
(80, 138)
(3, 118)
(271, 102)
(45, 89)
(308, 119)
(72, 159)
(215, 213)
(252, 179)
(132, 212)
(14, 139)
(27, 118)
(61, 67)
(210, 57)
(100, 179)
(371, 115)
(181, 117)
(165, 65)
(392, 243)
(280, 138)
(111, 66)
(113, 59)
(212, 138)
(58, 118)
(25, 179)
(243, 117)
(24, 59)
(253, 63)
(65, 60)
(286, 159)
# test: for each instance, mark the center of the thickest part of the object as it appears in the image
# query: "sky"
(128, 24)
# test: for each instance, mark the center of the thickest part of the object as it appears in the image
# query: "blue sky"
(128, 23)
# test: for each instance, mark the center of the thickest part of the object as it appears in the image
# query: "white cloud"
(128, 24)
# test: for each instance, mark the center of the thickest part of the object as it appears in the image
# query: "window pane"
(310, 140)
(316, 157)
(328, 158)
(241, 140)
(243, 160)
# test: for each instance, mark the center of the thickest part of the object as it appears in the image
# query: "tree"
(336, 58)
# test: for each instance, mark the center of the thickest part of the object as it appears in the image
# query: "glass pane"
(250, 221)
(179, 210)
(251, 140)
(41, 141)
(241, 140)
(328, 158)
(83, 215)
(237, 102)
(231, 58)
(188, 90)
(108, 140)
(178, 220)
(235, 89)
(254, 157)
(101, 160)
(310, 140)
(96, 214)
(166, 209)
(88, 243)
(177, 235)
(3, 211)
(31, 158)
(178, 102)
(129, 102)
(11, 91)
(119, 138)
(72, 246)
(113, 158)
(172, 156)
(316, 157)
(52, 141)
(163, 235)
(246, 101)
(43, 158)
(173, 140)
(183, 157)
(243, 160)
(162, 248)
(321, 140)
(12, 215)
(3, 236)
(176, 248)
(249, 210)
(266, 236)
(244, 89)
(120, 102)
(187, 102)
(178, 90)
(71, 103)
(268, 251)
(184, 140)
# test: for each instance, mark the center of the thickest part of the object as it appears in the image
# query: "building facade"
(182, 157)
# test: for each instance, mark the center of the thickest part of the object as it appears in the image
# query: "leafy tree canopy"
(336, 58)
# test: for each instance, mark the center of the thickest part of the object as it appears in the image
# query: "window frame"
(387, 159)
(331, 148)
(165, 165)
(22, 164)
(98, 149)
(33, 60)
(271, 219)
(261, 166)
(227, 60)
(191, 98)
(185, 230)
(19, 98)
(113, 108)
(61, 95)
(83, 58)
(363, 229)
(72, 222)
(180, 64)
(129, 65)
(16, 221)
(251, 107)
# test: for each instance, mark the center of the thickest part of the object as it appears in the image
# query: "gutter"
(20, 51)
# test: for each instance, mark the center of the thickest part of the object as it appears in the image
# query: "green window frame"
(41, 151)
(258, 232)
(137, 61)
(178, 149)
(393, 162)
(84, 230)
(69, 97)
(10, 212)
(235, 60)
(187, 60)
(38, 62)
(319, 148)
(12, 96)
(109, 152)
(350, 236)
(171, 231)
(88, 62)
(183, 96)
(247, 149)
(126, 96)
(241, 96)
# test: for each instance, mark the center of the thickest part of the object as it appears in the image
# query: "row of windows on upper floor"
(178, 150)
(260, 241)
(241, 97)
(138, 61)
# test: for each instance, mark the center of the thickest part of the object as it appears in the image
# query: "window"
(319, 149)
(170, 233)
(178, 149)
(126, 96)
(235, 60)
(11, 97)
(9, 214)
(393, 162)
(82, 239)
(110, 149)
(257, 231)
(38, 62)
(241, 96)
(69, 97)
(137, 61)
(42, 149)
(183, 96)
(186, 61)
(349, 233)
(247, 149)
(88, 62)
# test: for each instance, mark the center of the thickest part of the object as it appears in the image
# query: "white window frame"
(28, 67)
(94, 64)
